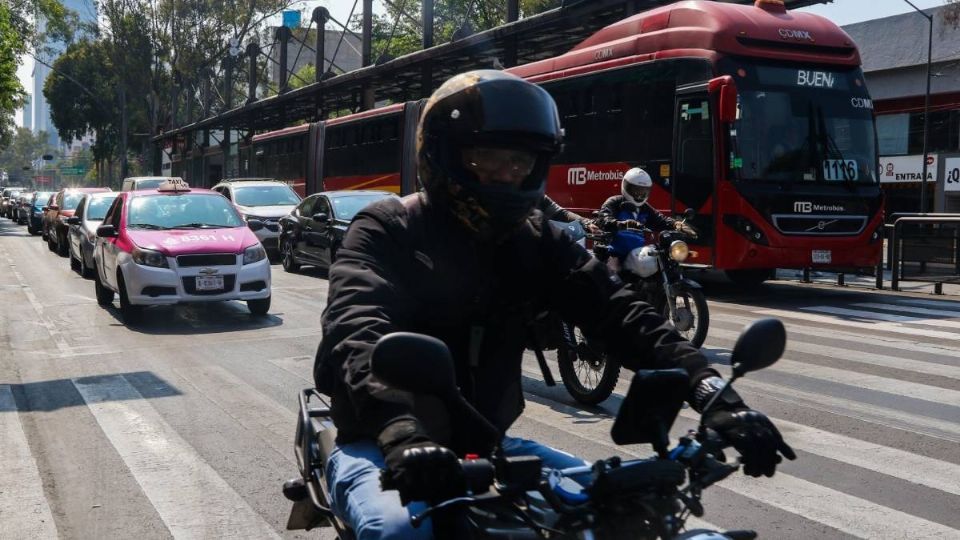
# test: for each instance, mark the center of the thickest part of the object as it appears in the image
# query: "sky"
(841, 12)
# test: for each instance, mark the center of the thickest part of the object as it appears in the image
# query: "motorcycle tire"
(603, 370)
(701, 316)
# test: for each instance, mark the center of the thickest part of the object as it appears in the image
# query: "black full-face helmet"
(484, 146)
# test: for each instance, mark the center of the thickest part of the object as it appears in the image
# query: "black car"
(312, 232)
(38, 200)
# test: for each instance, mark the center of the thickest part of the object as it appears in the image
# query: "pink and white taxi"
(177, 244)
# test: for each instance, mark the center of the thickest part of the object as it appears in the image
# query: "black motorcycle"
(513, 496)
(586, 372)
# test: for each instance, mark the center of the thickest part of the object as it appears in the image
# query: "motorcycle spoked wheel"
(693, 318)
(587, 373)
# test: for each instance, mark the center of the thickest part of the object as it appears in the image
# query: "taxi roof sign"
(174, 184)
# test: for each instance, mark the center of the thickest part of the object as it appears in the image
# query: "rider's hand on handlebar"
(753, 435)
(591, 227)
(420, 469)
(684, 228)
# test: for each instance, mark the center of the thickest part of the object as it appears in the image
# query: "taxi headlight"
(149, 257)
(254, 254)
(679, 251)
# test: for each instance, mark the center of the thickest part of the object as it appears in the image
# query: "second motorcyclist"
(463, 262)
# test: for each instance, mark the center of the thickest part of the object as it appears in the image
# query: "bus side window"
(694, 151)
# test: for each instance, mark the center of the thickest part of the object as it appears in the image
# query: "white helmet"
(636, 185)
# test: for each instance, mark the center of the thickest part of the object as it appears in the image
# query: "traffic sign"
(73, 171)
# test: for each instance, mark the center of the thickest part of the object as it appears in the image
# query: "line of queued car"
(158, 241)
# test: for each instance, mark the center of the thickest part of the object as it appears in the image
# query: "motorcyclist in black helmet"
(464, 261)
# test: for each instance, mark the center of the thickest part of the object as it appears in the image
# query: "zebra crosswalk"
(867, 393)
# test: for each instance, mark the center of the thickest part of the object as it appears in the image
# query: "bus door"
(692, 183)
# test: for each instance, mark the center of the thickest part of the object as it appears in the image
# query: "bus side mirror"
(726, 91)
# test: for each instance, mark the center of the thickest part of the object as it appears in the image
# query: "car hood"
(267, 211)
(188, 241)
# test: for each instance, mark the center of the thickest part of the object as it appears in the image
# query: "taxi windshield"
(97, 208)
(182, 211)
(273, 195)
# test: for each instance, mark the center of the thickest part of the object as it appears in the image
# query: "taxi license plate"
(822, 256)
(209, 283)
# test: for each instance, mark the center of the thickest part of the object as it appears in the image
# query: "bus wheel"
(748, 279)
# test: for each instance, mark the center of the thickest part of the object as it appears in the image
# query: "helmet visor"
(499, 165)
(638, 193)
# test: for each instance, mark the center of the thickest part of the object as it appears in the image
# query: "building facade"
(86, 11)
(894, 53)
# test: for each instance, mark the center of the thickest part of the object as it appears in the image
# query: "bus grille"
(819, 225)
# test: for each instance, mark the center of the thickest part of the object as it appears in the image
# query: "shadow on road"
(198, 318)
(47, 396)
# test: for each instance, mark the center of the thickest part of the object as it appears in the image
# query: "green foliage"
(399, 31)
(24, 147)
(11, 93)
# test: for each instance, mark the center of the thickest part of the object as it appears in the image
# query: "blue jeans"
(353, 477)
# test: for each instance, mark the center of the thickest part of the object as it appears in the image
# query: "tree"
(23, 149)
(399, 31)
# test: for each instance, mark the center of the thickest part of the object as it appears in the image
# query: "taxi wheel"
(131, 314)
(50, 245)
(62, 247)
(75, 264)
(85, 271)
(104, 295)
(288, 260)
(260, 306)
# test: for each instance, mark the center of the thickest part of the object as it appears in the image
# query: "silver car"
(264, 200)
(82, 235)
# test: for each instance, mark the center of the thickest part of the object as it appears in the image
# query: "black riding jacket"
(648, 216)
(407, 266)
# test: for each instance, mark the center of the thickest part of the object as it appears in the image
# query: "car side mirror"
(255, 224)
(107, 231)
(53, 207)
(760, 345)
(73, 220)
(321, 217)
(45, 208)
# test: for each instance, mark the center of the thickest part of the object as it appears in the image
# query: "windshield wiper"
(199, 226)
(147, 226)
(830, 147)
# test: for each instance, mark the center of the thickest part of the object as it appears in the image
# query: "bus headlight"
(679, 251)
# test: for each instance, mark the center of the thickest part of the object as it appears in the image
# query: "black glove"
(753, 435)
(420, 469)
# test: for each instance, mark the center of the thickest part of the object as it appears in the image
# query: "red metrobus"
(755, 117)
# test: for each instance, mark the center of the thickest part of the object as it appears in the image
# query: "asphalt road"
(183, 426)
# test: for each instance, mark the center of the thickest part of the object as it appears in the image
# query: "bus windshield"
(802, 125)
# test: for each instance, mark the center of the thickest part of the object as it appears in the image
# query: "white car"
(174, 245)
(262, 199)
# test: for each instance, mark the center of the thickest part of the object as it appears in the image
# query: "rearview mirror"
(107, 231)
(255, 224)
(689, 214)
(726, 90)
(73, 220)
(760, 345)
(320, 217)
(415, 363)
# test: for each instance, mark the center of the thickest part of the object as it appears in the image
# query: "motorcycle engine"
(643, 262)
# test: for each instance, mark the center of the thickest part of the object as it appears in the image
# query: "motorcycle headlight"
(254, 254)
(149, 257)
(679, 251)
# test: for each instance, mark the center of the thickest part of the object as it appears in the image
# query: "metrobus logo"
(578, 176)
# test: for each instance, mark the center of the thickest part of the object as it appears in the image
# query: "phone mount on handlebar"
(650, 407)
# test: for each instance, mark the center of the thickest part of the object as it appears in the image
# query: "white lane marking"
(847, 513)
(885, 317)
(55, 334)
(877, 326)
(190, 497)
(866, 412)
(852, 355)
(886, 342)
(910, 309)
(24, 512)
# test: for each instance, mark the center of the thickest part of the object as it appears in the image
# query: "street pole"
(926, 110)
